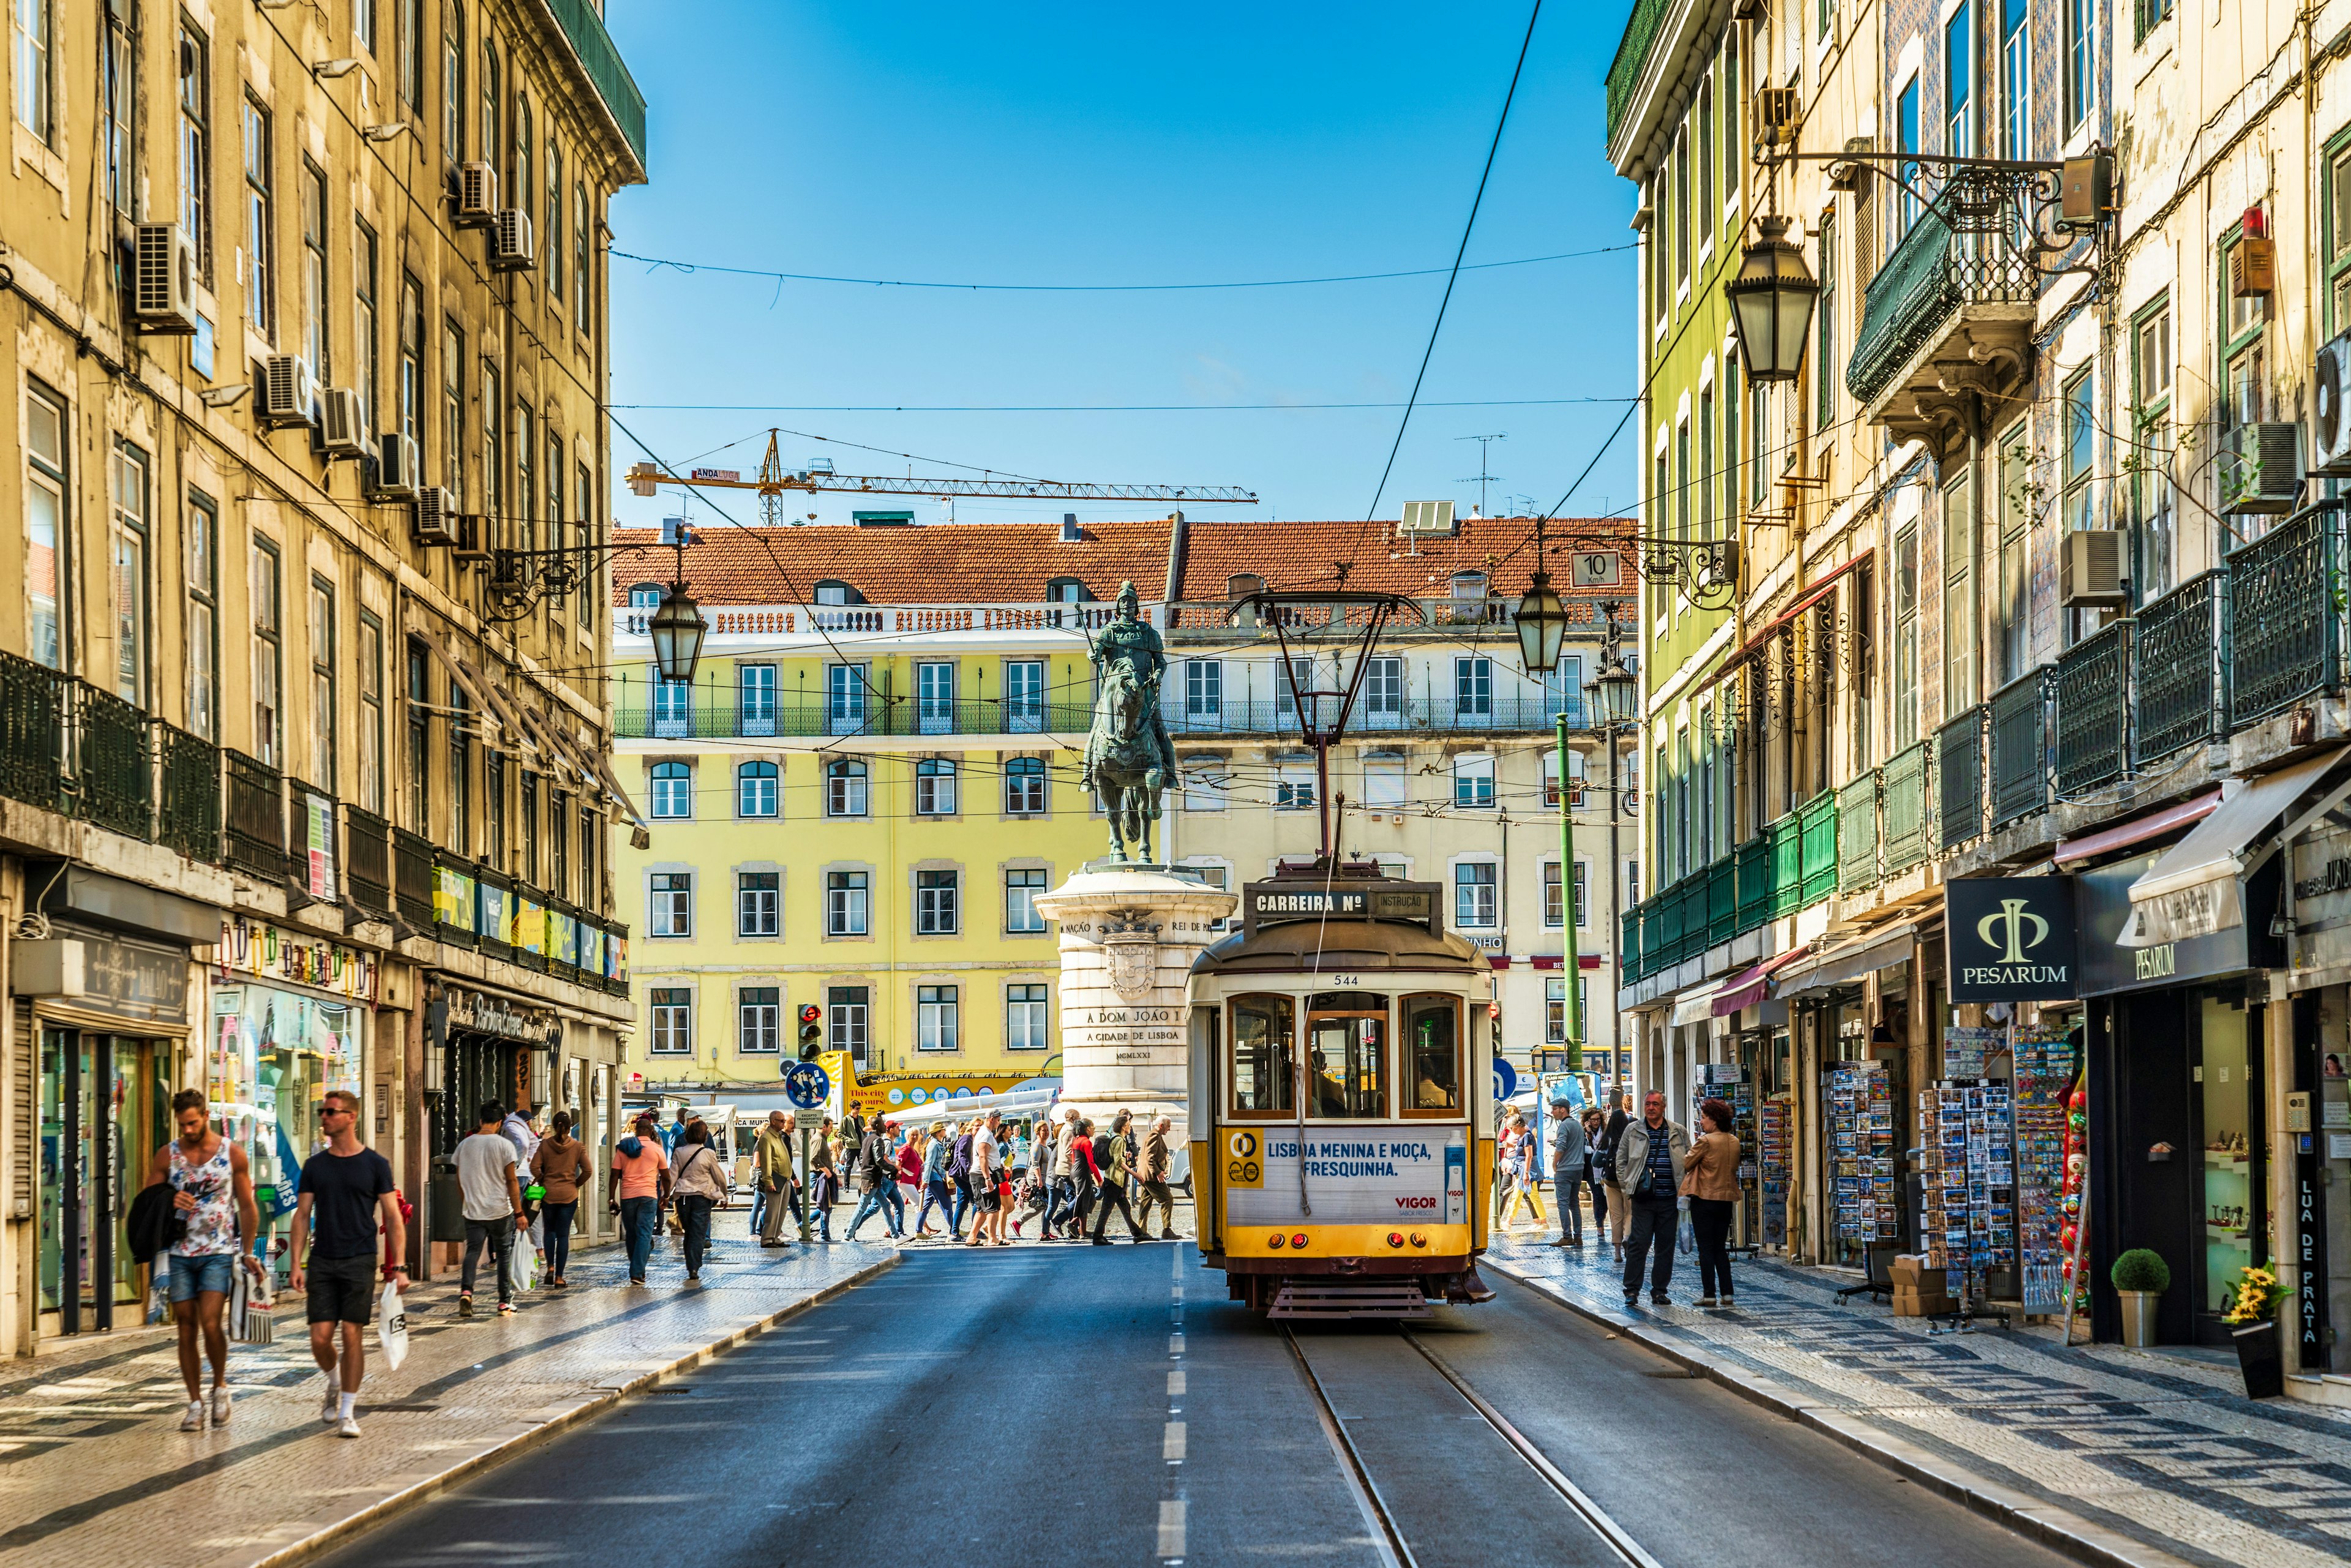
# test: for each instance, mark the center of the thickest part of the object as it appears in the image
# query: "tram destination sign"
(1303, 898)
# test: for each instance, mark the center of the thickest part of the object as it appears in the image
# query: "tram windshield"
(1265, 1056)
(1346, 1055)
(1432, 1035)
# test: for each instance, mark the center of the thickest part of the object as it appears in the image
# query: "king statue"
(1129, 756)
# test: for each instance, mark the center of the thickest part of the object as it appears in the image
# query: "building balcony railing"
(2179, 655)
(1506, 714)
(1786, 866)
(1633, 58)
(411, 879)
(254, 818)
(816, 621)
(1857, 833)
(1960, 766)
(584, 23)
(367, 858)
(1791, 866)
(33, 706)
(188, 797)
(1722, 900)
(1908, 836)
(1752, 861)
(1817, 824)
(2019, 725)
(2092, 688)
(113, 772)
(2285, 615)
(1962, 251)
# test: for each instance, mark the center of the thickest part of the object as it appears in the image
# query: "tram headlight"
(1274, 1240)
(1395, 1238)
(1299, 1240)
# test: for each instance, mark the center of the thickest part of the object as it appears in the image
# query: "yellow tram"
(1341, 1107)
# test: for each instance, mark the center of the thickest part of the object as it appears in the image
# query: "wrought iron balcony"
(367, 858)
(33, 706)
(2180, 652)
(2020, 747)
(1960, 766)
(411, 879)
(255, 817)
(1856, 832)
(113, 773)
(1909, 831)
(583, 24)
(1633, 58)
(1958, 287)
(2285, 615)
(188, 802)
(2093, 710)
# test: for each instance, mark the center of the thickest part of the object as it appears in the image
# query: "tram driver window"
(1265, 1054)
(1432, 1044)
(1346, 1056)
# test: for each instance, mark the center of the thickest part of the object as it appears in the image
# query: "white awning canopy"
(1697, 1004)
(2194, 889)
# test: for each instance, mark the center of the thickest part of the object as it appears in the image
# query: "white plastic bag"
(525, 1265)
(391, 1324)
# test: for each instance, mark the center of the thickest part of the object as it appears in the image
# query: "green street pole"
(1573, 949)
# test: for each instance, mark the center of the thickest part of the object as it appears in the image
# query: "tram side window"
(1432, 1029)
(1265, 1054)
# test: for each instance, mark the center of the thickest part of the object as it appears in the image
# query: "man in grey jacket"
(1649, 1173)
(1567, 1173)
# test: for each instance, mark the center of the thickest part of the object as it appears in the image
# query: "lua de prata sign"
(2011, 938)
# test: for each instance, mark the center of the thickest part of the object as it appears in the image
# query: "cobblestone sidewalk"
(2115, 1455)
(94, 1469)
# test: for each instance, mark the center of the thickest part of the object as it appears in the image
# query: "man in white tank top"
(213, 1197)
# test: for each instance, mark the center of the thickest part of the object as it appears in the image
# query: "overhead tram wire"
(658, 263)
(1460, 251)
(1091, 408)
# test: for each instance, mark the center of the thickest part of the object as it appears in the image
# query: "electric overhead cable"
(1088, 408)
(658, 263)
(1454, 275)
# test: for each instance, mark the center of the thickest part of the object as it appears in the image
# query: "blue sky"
(1094, 144)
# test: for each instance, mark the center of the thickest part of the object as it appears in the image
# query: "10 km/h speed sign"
(1597, 569)
(1244, 1159)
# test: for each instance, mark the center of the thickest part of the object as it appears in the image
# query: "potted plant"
(2251, 1317)
(2140, 1277)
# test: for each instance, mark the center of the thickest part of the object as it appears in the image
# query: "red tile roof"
(1013, 563)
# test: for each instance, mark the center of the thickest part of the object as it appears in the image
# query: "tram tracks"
(1607, 1542)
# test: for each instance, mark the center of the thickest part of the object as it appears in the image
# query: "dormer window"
(1066, 591)
(645, 596)
(833, 591)
(1468, 585)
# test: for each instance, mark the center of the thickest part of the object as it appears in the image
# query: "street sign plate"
(1506, 1079)
(1598, 569)
(806, 1085)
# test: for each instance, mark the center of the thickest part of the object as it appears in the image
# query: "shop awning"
(612, 785)
(1849, 960)
(1696, 1005)
(2193, 890)
(2137, 830)
(1807, 597)
(463, 675)
(1746, 989)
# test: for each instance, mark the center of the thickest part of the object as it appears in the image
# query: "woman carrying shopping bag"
(560, 1167)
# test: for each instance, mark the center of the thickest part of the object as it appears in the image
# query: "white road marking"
(1171, 1447)
(1171, 1529)
(1175, 1344)
(1175, 1382)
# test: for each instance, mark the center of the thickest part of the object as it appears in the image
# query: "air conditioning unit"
(476, 197)
(286, 394)
(164, 282)
(2259, 467)
(437, 519)
(510, 247)
(2090, 571)
(395, 467)
(339, 416)
(1426, 519)
(2330, 421)
(473, 537)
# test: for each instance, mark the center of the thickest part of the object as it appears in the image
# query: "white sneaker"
(220, 1406)
(193, 1421)
(331, 1408)
(348, 1427)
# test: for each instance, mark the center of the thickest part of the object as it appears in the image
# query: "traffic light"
(811, 1032)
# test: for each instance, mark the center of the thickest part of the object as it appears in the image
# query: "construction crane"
(775, 480)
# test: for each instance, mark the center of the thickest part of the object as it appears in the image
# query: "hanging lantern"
(1542, 621)
(1615, 691)
(1772, 302)
(677, 629)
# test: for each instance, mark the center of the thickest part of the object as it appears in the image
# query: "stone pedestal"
(1129, 934)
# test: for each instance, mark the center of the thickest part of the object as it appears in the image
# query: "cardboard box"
(1916, 1303)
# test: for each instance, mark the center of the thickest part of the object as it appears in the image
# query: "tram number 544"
(1243, 1164)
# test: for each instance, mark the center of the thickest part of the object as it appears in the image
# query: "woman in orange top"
(1710, 1182)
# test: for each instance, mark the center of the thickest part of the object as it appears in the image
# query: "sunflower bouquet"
(2254, 1296)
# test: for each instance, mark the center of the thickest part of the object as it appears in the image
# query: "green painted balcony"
(2094, 708)
(2182, 657)
(1857, 833)
(1633, 58)
(1909, 834)
(583, 24)
(2285, 615)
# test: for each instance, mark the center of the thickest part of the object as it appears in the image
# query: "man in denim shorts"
(212, 1199)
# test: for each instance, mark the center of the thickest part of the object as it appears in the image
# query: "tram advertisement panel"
(1376, 1173)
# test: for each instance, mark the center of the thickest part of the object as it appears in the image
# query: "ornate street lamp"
(1615, 692)
(677, 629)
(1542, 620)
(1772, 302)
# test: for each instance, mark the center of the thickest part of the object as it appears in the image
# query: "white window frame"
(938, 1018)
(849, 902)
(1027, 1016)
(934, 785)
(758, 906)
(1473, 782)
(939, 902)
(847, 787)
(1484, 907)
(752, 801)
(669, 911)
(1021, 915)
(759, 1025)
(672, 1020)
(672, 793)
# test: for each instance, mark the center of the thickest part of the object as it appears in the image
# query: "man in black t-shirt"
(346, 1194)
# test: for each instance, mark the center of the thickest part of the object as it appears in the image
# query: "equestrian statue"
(1129, 756)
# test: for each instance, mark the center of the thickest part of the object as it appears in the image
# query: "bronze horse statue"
(1127, 763)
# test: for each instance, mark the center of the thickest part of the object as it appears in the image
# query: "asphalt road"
(1068, 1405)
